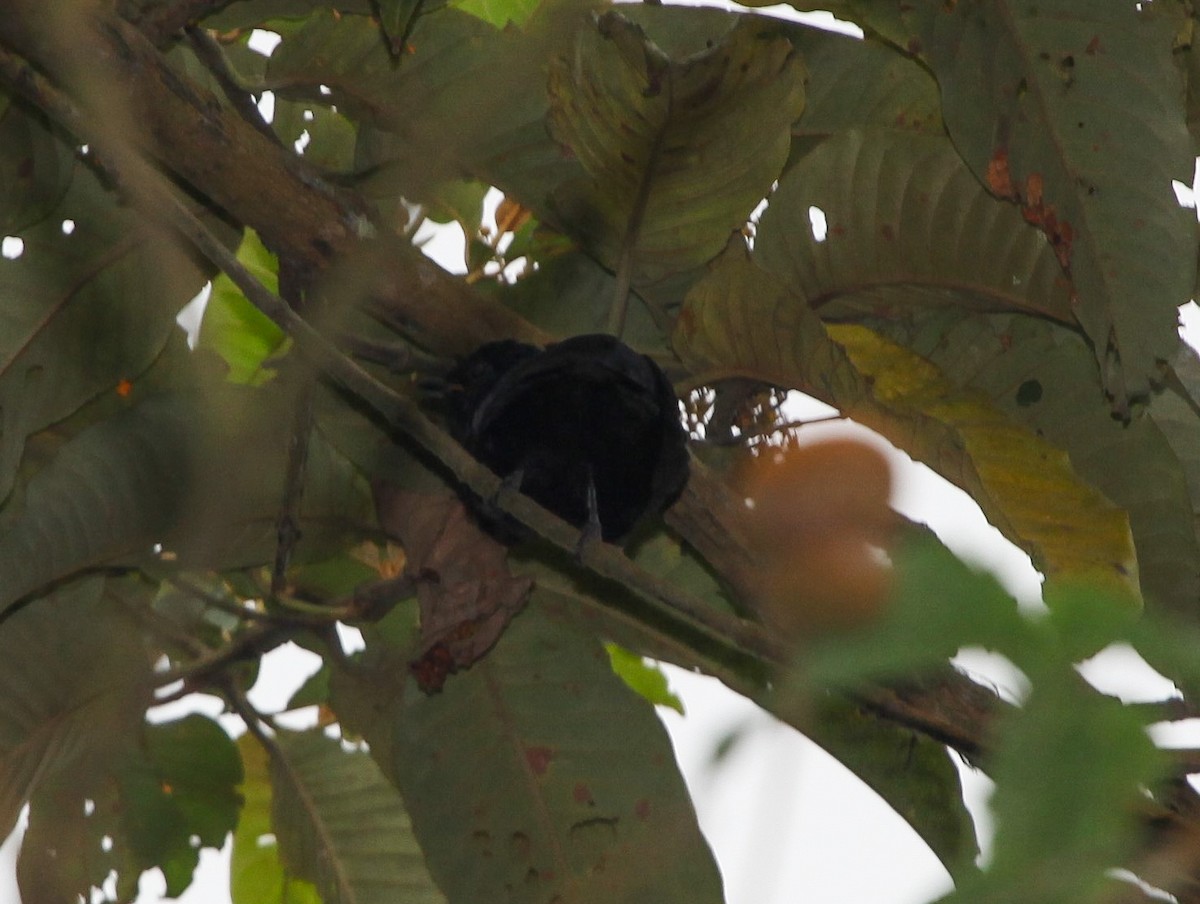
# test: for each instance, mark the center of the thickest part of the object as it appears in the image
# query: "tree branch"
(162, 23)
(213, 57)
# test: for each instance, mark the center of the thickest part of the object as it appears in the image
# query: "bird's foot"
(591, 532)
(510, 486)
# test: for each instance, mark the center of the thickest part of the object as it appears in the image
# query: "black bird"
(588, 428)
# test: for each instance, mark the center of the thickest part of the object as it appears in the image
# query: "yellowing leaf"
(1025, 486)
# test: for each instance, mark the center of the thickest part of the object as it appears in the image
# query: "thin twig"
(287, 522)
(163, 23)
(213, 601)
(206, 668)
(213, 57)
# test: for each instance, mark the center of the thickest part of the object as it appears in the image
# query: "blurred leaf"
(545, 790)
(200, 473)
(185, 789)
(915, 775)
(242, 335)
(74, 687)
(938, 606)
(257, 874)
(1065, 817)
(646, 679)
(82, 311)
(652, 135)
(35, 168)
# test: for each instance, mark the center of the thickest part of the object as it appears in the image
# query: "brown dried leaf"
(465, 592)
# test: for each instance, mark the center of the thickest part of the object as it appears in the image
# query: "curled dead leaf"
(465, 592)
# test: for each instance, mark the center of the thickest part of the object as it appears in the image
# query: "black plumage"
(587, 415)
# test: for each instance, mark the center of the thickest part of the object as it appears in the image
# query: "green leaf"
(908, 225)
(313, 692)
(341, 826)
(200, 473)
(937, 607)
(82, 312)
(185, 789)
(548, 799)
(396, 17)
(330, 140)
(861, 85)
(242, 335)
(676, 154)
(499, 12)
(645, 678)
(113, 491)
(246, 14)
(412, 136)
(257, 875)
(571, 294)
(1077, 114)
(35, 168)
(1066, 816)
(915, 775)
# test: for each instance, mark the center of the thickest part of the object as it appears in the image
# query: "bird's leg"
(591, 532)
(509, 485)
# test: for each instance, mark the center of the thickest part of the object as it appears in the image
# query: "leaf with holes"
(1076, 113)
(82, 311)
(907, 225)
(676, 153)
(74, 687)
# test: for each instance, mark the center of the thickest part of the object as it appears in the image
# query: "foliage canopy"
(971, 244)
